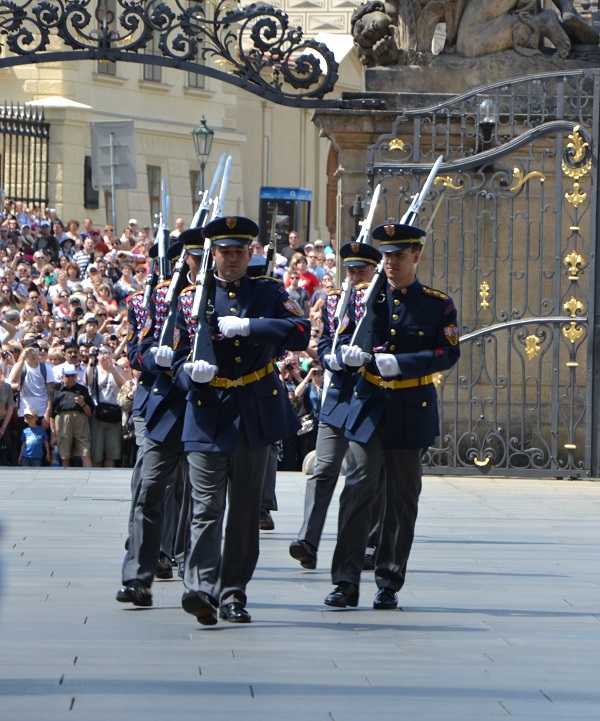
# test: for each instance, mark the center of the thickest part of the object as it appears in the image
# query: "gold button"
(261, 316)
(396, 301)
(231, 294)
(331, 385)
(421, 332)
(393, 331)
(424, 404)
(233, 310)
(199, 403)
(238, 360)
(155, 390)
(392, 347)
(275, 392)
(236, 342)
(355, 394)
(394, 317)
(141, 383)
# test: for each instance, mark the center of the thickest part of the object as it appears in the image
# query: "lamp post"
(203, 137)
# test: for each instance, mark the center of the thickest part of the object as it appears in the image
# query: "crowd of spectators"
(63, 310)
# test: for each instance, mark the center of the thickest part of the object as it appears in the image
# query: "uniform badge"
(231, 223)
(176, 338)
(130, 331)
(390, 229)
(293, 307)
(355, 247)
(452, 334)
(147, 327)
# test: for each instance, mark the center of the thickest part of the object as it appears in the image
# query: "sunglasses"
(294, 277)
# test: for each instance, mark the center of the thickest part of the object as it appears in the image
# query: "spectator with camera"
(69, 420)
(104, 379)
(33, 381)
(7, 406)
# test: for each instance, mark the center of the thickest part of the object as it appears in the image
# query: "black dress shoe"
(234, 612)
(385, 599)
(200, 605)
(266, 522)
(304, 552)
(135, 592)
(346, 594)
(164, 569)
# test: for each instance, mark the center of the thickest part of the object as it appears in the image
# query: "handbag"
(107, 412)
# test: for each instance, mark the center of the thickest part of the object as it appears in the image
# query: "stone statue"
(397, 32)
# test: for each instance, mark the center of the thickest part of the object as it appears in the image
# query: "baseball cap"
(132, 221)
(90, 318)
(69, 369)
(30, 412)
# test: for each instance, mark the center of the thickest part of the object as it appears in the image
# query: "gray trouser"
(223, 573)
(159, 469)
(330, 451)
(269, 499)
(401, 496)
(139, 425)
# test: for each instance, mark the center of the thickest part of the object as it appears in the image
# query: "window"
(196, 80)
(108, 10)
(196, 188)
(153, 173)
(153, 73)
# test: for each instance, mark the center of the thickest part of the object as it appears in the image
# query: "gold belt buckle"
(235, 383)
(386, 384)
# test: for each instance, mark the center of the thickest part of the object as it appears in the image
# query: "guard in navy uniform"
(360, 260)
(235, 411)
(393, 417)
(163, 460)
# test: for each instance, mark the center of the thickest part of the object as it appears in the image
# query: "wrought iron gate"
(24, 137)
(512, 239)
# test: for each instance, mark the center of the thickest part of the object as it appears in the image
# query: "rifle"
(201, 215)
(151, 281)
(363, 334)
(271, 245)
(220, 199)
(162, 233)
(203, 347)
(178, 281)
(344, 299)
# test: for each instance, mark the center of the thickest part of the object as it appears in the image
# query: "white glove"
(331, 361)
(387, 365)
(163, 356)
(354, 356)
(230, 325)
(200, 371)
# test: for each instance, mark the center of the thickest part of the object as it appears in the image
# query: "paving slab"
(500, 614)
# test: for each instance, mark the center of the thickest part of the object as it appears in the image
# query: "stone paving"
(500, 615)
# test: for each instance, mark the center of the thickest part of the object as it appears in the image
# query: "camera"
(5, 354)
(289, 366)
(94, 352)
(79, 311)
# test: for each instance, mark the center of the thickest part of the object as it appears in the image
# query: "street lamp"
(203, 137)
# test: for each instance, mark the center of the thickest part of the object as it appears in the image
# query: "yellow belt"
(243, 380)
(395, 385)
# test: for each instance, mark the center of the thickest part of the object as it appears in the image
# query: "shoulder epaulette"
(137, 292)
(163, 283)
(334, 291)
(188, 287)
(362, 286)
(435, 293)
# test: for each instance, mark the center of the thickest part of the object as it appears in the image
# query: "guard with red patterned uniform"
(360, 260)
(393, 417)
(236, 409)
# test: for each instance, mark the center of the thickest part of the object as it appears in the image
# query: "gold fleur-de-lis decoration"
(521, 178)
(484, 292)
(577, 196)
(574, 263)
(532, 346)
(573, 331)
(573, 306)
(437, 379)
